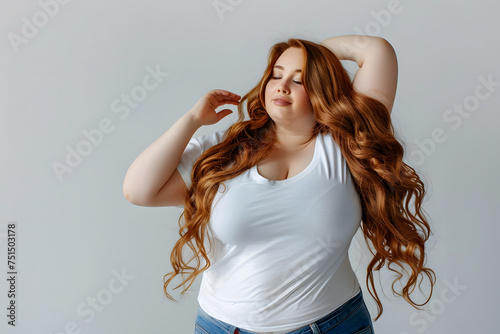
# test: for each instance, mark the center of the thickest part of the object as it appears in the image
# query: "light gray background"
(74, 231)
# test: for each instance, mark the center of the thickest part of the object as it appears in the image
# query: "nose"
(283, 88)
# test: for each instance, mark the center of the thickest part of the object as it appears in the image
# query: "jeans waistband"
(336, 316)
(343, 310)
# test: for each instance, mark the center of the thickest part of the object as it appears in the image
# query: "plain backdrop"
(76, 110)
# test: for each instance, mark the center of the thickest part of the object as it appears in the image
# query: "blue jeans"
(352, 317)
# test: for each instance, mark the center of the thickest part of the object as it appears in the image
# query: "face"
(295, 112)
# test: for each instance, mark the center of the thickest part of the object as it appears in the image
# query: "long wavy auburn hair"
(362, 128)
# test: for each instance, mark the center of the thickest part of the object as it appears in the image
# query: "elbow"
(139, 199)
(373, 45)
(383, 43)
(125, 191)
(129, 193)
(127, 196)
(377, 43)
(381, 40)
(131, 198)
(134, 200)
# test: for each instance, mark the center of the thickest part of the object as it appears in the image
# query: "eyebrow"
(282, 68)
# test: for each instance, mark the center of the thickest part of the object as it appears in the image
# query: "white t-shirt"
(280, 258)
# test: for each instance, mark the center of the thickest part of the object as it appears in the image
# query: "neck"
(293, 141)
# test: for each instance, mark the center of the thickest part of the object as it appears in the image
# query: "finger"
(232, 101)
(223, 113)
(225, 93)
(221, 97)
(227, 97)
(226, 101)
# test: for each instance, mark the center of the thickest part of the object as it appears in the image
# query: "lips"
(281, 101)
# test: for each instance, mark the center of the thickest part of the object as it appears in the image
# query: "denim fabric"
(350, 318)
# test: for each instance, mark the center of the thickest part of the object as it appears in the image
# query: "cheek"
(305, 99)
(268, 88)
(267, 95)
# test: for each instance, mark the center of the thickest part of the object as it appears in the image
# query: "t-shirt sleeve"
(195, 147)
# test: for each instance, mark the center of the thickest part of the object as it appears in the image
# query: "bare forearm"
(352, 47)
(156, 164)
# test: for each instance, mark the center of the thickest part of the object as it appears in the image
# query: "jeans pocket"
(366, 330)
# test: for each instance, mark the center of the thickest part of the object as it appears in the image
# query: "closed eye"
(297, 82)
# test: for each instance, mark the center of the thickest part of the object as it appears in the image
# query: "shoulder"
(208, 140)
(327, 138)
(329, 145)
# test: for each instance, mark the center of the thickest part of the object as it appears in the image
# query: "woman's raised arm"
(152, 180)
(377, 76)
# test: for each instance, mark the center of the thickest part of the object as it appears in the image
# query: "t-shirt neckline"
(261, 179)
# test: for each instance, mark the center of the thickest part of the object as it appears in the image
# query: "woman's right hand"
(204, 110)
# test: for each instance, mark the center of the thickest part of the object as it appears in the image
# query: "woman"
(281, 195)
